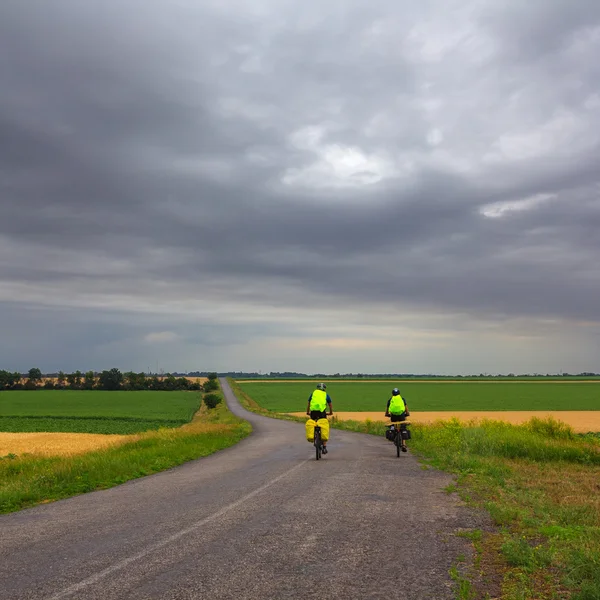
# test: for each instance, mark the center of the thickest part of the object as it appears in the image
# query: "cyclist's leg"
(399, 419)
(316, 415)
(323, 442)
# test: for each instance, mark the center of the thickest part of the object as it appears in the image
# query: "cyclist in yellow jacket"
(318, 402)
(397, 410)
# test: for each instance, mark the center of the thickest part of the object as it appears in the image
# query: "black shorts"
(315, 415)
(398, 418)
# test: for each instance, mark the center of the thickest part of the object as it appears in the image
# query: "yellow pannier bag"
(310, 430)
(324, 424)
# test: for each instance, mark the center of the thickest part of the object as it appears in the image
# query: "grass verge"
(27, 480)
(540, 483)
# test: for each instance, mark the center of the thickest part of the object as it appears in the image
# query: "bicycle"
(398, 435)
(318, 443)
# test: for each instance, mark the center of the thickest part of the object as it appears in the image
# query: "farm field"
(481, 379)
(427, 396)
(582, 421)
(56, 444)
(95, 411)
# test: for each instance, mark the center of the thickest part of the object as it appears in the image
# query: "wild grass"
(27, 480)
(431, 396)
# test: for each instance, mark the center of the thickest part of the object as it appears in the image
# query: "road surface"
(262, 519)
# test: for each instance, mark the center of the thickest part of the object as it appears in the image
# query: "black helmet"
(321, 386)
(395, 392)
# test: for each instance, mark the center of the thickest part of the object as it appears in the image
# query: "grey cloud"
(143, 152)
(537, 29)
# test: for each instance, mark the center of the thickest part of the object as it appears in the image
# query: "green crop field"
(431, 396)
(95, 411)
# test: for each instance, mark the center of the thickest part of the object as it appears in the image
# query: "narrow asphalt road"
(262, 519)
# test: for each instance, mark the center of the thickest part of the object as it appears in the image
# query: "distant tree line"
(108, 380)
(113, 379)
(295, 375)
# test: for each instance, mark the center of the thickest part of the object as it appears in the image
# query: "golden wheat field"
(582, 421)
(55, 444)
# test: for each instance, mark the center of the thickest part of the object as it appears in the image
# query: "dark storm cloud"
(441, 155)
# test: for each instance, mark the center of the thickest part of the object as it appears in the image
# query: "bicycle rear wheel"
(318, 442)
(398, 442)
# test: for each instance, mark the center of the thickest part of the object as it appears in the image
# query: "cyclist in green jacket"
(318, 402)
(397, 410)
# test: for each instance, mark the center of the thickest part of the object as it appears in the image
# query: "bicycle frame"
(400, 431)
(317, 441)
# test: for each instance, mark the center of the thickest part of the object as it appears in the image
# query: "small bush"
(211, 385)
(550, 428)
(211, 400)
(520, 552)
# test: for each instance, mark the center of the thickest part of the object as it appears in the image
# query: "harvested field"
(582, 421)
(196, 379)
(56, 444)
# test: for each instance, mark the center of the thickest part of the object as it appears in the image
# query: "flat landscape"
(426, 396)
(206, 529)
(542, 468)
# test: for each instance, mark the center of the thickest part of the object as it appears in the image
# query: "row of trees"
(111, 379)
(295, 375)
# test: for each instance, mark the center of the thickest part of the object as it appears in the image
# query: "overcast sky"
(383, 186)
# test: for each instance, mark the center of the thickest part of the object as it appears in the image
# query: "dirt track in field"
(582, 421)
(56, 444)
